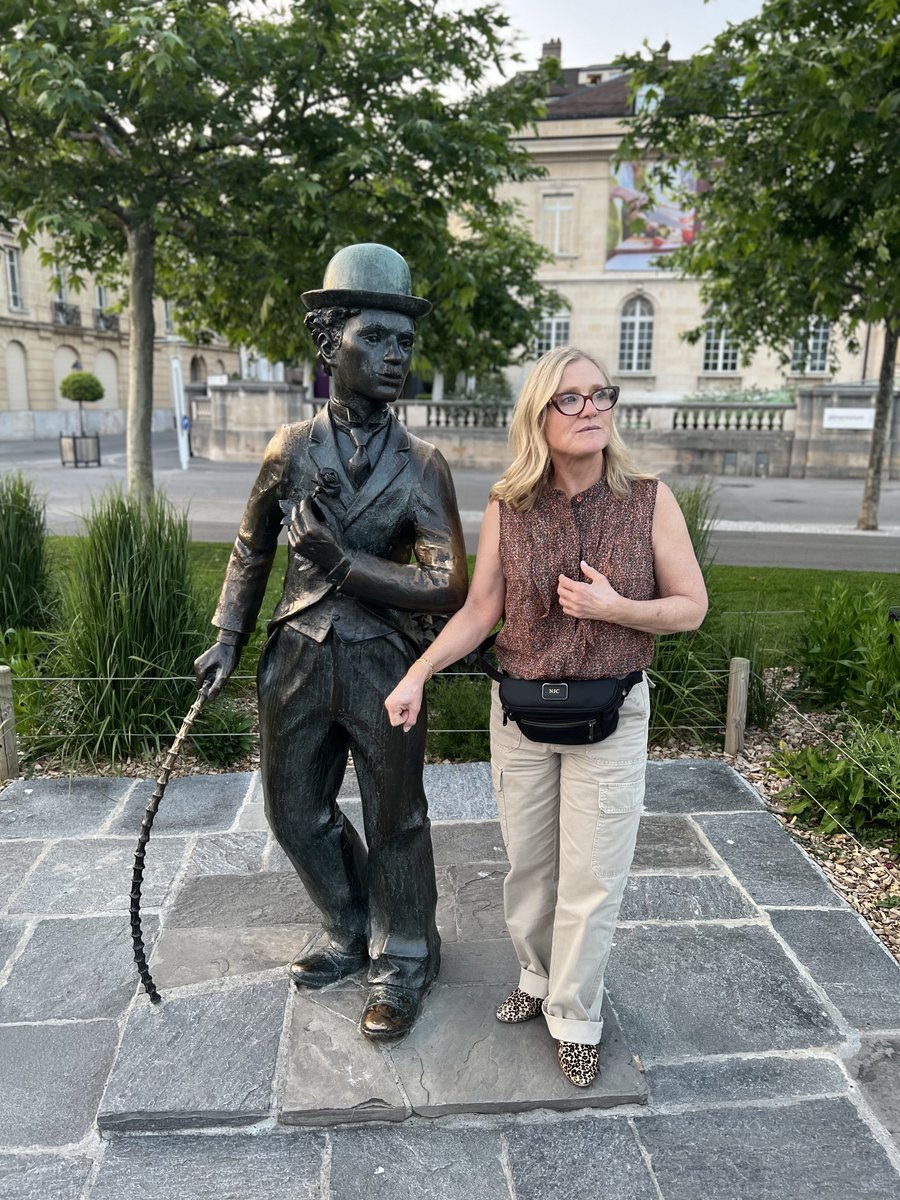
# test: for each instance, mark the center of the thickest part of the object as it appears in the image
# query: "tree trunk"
(141, 275)
(884, 401)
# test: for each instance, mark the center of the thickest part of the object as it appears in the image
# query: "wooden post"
(736, 716)
(9, 756)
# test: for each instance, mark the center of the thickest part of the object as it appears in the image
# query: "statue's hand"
(311, 536)
(216, 665)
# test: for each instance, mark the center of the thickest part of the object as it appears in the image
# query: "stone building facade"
(47, 329)
(589, 214)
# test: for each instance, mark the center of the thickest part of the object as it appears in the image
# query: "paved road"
(762, 522)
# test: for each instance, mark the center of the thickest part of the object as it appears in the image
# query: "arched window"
(809, 355)
(198, 369)
(636, 335)
(553, 331)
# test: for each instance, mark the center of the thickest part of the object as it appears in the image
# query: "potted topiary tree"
(81, 449)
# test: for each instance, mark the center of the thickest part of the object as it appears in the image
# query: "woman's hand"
(596, 600)
(405, 702)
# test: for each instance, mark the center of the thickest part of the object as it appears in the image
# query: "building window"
(719, 352)
(556, 222)
(14, 278)
(168, 316)
(810, 353)
(636, 335)
(61, 282)
(553, 331)
(102, 297)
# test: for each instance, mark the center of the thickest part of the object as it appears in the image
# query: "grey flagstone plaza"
(752, 1047)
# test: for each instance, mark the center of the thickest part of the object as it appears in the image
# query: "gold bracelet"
(425, 659)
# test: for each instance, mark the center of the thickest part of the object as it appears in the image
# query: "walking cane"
(137, 875)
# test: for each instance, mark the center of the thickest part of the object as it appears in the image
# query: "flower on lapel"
(328, 483)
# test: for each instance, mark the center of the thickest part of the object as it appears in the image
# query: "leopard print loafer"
(519, 1006)
(579, 1063)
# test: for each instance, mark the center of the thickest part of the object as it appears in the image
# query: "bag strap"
(488, 667)
(627, 681)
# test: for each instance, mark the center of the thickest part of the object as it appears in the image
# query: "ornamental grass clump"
(26, 588)
(132, 627)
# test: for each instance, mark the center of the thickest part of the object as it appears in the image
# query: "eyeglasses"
(570, 404)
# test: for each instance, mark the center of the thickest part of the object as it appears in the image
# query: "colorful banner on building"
(645, 221)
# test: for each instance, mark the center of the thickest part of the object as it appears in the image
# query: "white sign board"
(182, 420)
(848, 418)
(216, 380)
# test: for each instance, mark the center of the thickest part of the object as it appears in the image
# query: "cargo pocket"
(618, 817)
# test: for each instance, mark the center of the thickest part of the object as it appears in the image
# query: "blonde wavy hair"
(525, 480)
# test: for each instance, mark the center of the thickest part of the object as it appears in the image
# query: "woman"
(586, 560)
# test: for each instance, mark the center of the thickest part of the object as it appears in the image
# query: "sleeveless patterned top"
(538, 640)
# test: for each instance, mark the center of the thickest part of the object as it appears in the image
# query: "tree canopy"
(790, 122)
(225, 151)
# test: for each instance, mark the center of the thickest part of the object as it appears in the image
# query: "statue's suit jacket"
(405, 510)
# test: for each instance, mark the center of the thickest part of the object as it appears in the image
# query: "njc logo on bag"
(555, 691)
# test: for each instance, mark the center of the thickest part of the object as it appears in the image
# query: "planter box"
(79, 449)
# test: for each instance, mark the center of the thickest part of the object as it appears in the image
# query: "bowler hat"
(368, 275)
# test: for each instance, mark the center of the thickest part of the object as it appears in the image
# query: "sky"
(596, 31)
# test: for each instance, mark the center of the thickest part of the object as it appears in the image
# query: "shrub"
(131, 630)
(82, 387)
(855, 785)
(847, 656)
(459, 702)
(26, 589)
(222, 734)
(696, 503)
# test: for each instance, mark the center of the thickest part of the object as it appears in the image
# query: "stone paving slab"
(686, 785)
(418, 1164)
(94, 876)
(876, 1069)
(493, 962)
(197, 1060)
(667, 843)
(16, 860)
(42, 1177)
(334, 1075)
(242, 902)
(212, 1167)
(10, 932)
(683, 898)
(460, 792)
(187, 956)
(74, 969)
(467, 842)
(458, 1059)
(58, 808)
(710, 989)
(229, 853)
(192, 804)
(740, 1080)
(51, 1080)
(813, 1150)
(478, 895)
(843, 955)
(586, 1159)
(768, 862)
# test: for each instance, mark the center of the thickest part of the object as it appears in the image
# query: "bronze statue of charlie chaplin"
(374, 538)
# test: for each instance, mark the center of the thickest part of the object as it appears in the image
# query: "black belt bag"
(569, 712)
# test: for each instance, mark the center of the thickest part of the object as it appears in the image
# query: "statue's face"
(373, 358)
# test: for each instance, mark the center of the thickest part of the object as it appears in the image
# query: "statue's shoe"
(318, 967)
(390, 1011)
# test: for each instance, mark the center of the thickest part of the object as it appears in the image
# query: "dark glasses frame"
(610, 392)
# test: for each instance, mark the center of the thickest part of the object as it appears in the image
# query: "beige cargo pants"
(569, 817)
